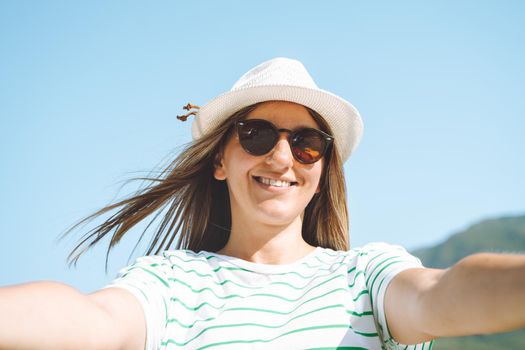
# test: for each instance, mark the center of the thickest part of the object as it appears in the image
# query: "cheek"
(235, 161)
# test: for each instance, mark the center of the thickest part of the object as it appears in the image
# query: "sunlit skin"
(267, 220)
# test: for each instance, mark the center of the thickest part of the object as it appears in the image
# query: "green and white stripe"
(327, 300)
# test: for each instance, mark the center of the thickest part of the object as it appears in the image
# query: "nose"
(281, 155)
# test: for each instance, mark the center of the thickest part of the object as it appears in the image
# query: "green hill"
(494, 235)
(505, 234)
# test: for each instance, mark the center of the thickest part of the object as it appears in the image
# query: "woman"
(257, 204)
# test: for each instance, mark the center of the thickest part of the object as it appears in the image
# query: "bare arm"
(481, 294)
(48, 315)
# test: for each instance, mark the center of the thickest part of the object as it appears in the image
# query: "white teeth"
(276, 183)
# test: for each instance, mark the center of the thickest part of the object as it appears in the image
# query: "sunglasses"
(258, 137)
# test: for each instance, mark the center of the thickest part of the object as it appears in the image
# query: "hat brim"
(342, 117)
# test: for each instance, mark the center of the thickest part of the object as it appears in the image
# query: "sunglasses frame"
(328, 139)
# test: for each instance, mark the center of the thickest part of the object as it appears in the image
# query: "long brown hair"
(195, 207)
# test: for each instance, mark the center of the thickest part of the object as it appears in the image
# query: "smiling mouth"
(271, 182)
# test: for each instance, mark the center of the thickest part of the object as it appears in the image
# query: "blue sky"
(89, 92)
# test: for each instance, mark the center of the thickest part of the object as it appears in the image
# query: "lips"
(273, 182)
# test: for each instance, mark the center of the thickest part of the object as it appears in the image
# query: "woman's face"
(255, 195)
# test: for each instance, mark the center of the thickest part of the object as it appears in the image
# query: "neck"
(267, 244)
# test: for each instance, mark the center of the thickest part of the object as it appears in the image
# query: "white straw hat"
(284, 79)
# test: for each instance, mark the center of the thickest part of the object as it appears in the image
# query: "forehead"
(283, 114)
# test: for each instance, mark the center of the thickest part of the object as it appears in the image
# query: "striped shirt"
(327, 300)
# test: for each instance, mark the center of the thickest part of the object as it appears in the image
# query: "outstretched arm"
(483, 293)
(48, 315)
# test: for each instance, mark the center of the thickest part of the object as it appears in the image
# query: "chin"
(277, 214)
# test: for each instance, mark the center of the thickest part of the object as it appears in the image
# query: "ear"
(218, 168)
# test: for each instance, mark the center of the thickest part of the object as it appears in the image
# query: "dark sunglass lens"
(308, 146)
(257, 137)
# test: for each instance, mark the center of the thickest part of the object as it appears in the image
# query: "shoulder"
(173, 258)
(375, 247)
(378, 253)
(381, 259)
(374, 264)
(369, 253)
(164, 267)
(186, 257)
